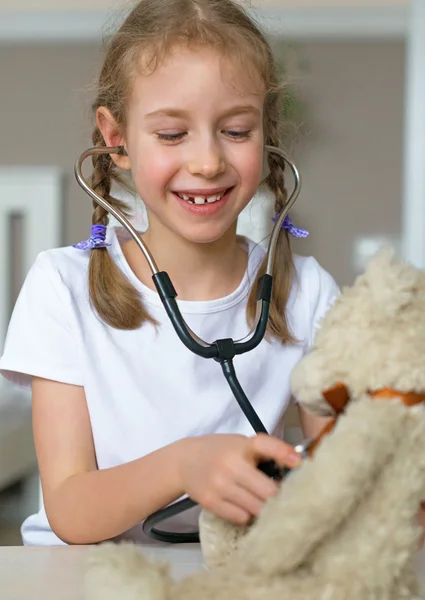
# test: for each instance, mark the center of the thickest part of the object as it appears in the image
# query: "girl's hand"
(220, 472)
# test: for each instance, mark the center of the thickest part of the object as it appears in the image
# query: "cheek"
(251, 168)
(152, 171)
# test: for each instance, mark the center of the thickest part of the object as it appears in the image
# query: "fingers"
(247, 496)
(232, 513)
(232, 486)
(244, 500)
(240, 498)
(269, 447)
(256, 482)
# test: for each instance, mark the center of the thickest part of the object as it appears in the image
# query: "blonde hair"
(154, 27)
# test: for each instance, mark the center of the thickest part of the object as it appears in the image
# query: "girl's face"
(195, 143)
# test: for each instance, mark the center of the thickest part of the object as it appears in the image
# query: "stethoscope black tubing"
(165, 291)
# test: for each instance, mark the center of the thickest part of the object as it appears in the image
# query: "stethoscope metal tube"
(224, 350)
(162, 281)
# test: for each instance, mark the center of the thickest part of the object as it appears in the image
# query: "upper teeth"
(201, 199)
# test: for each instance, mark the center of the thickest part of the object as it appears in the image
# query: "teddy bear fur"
(343, 525)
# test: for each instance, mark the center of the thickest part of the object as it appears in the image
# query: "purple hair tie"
(96, 240)
(290, 227)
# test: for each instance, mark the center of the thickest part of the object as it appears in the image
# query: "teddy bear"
(344, 525)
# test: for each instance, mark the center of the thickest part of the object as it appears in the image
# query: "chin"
(206, 235)
(202, 239)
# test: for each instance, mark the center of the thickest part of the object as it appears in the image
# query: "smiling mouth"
(202, 199)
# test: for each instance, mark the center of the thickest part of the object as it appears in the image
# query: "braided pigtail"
(114, 298)
(283, 268)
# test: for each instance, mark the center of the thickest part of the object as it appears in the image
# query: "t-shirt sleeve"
(323, 293)
(41, 337)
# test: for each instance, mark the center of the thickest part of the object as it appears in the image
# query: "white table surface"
(56, 572)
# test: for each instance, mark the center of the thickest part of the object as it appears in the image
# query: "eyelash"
(175, 137)
(239, 134)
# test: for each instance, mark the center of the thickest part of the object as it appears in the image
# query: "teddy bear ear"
(390, 282)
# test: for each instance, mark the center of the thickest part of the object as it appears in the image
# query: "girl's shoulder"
(312, 278)
(313, 293)
(64, 267)
(67, 266)
(42, 336)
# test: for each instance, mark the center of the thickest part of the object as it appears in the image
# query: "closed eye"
(171, 137)
(238, 134)
(175, 137)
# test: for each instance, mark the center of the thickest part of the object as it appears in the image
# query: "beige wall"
(350, 162)
(90, 5)
(44, 116)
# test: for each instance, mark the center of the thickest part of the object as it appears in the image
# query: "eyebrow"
(175, 112)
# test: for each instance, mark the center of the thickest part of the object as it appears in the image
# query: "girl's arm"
(311, 425)
(85, 505)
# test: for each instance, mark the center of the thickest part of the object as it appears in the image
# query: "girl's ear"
(112, 135)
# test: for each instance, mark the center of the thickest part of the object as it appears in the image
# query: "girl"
(126, 420)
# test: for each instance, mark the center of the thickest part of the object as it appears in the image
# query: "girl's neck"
(198, 271)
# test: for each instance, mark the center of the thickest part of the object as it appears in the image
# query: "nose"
(207, 159)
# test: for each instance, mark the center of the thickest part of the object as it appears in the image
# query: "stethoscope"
(223, 350)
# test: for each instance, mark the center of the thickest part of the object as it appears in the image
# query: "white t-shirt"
(144, 388)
